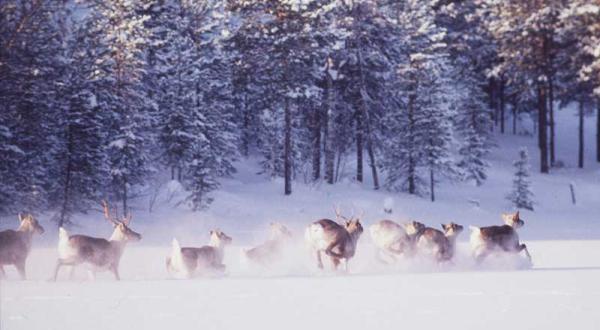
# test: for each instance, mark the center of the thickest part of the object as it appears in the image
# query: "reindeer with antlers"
(16, 244)
(485, 240)
(100, 253)
(335, 240)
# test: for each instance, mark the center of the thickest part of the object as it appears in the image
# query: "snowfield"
(560, 291)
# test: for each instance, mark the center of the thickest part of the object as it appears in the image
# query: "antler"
(127, 219)
(107, 213)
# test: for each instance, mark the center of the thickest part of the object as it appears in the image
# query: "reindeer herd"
(325, 238)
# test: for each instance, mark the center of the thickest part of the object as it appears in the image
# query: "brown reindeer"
(100, 253)
(16, 244)
(336, 241)
(485, 240)
(394, 240)
(440, 245)
(270, 251)
(190, 261)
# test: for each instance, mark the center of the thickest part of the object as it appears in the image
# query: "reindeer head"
(413, 227)
(30, 224)
(219, 238)
(279, 231)
(452, 229)
(122, 230)
(353, 226)
(513, 219)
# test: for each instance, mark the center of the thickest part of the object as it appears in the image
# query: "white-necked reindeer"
(100, 253)
(16, 244)
(437, 244)
(272, 250)
(485, 240)
(393, 240)
(335, 240)
(191, 261)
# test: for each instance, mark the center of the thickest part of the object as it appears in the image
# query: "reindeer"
(393, 240)
(485, 240)
(270, 251)
(440, 245)
(100, 253)
(16, 244)
(190, 261)
(336, 241)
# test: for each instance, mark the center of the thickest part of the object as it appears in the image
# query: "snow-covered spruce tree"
(527, 39)
(580, 28)
(471, 52)
(580, 63)
(367, 66)
(521, 195)
(121, 93)
(30, 65)
(193, 79)
(287, 79)
(82, 170)
(419, 133)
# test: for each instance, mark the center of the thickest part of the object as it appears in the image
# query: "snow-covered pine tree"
(521, 195)
(419, 134)
(121, 93)
(471, 51)
(367, 67)
(30, 102)
(579, 71)
(82, 169)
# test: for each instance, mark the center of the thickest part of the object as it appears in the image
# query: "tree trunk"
(598, 131)
(551, 114)
(412, 189)
(316, 144)
(432, 185)
(328, 134)
(502, 105)
(542, 130)
(580, 154)
(359, 147)
(514, 119)
(287, 162)
(64, 213)
(124, 197)
(245, 132)
(492, 96)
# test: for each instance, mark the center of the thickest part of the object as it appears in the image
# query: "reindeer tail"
(64, 249)
(176, 247)
(174, 262)
(63, 235)
(475, 229)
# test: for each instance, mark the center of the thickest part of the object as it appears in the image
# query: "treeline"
(99, 97)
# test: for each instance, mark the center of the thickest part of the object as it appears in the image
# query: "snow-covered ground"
(560, 291)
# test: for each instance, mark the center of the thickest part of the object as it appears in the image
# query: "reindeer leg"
(329, 251)
(336, 263)
(59, 264)
(20, 265)
(72, 273)
(115, 270)
(480, 256)
(523, 247)
(319, 260)
(2, 273)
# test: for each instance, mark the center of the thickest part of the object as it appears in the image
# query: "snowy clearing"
(561, 291)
